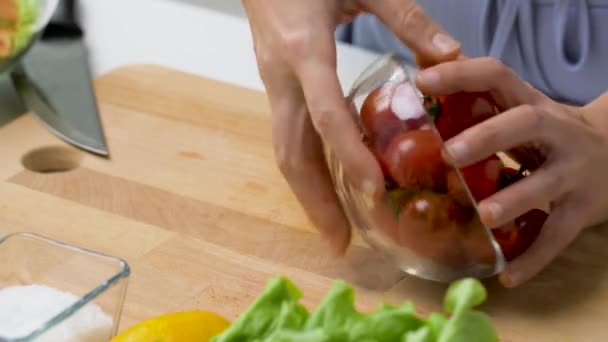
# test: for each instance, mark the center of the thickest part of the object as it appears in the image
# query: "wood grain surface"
(192, 199)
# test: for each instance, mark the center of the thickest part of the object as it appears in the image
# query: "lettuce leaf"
(277, 309)
(276, 316)
(29, 10)
(466, 324)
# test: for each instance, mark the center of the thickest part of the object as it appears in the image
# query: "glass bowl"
(93, 288)
(430, 231)
(21, 23)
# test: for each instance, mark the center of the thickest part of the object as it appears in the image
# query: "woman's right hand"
(296, 54)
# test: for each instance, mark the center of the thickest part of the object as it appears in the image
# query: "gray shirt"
(559, 46)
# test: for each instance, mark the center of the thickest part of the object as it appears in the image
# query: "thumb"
(429, 43)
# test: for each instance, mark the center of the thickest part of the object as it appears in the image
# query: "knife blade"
(54, 81)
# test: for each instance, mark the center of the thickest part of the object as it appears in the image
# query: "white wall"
(233, 7)
(196, 38)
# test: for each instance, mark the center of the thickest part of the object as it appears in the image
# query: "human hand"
(296, 55)
(574, 154)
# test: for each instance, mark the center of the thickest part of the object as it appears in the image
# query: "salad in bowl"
(21, 22)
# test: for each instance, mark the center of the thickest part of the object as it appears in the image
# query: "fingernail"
(457, 151)
(428, 77)
(509, 278)
(444, 43)
(505, 279)
(495, 210)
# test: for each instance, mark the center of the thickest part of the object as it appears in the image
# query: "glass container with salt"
(54, 292)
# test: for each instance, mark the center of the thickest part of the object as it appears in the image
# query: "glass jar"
(426, 218)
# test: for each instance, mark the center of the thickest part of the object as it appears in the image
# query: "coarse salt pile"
(23, 309)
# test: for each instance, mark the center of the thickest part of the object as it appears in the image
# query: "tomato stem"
(432, 106)
(507, 178)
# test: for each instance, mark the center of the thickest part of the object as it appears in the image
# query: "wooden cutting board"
(192, 199)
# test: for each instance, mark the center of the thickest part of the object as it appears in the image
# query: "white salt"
(23, 309)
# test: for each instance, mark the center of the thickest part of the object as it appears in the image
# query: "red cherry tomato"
(462, 110)
(378, 155)
(481, 178)
(429, 224)
(476, 244)
(456, 189)
(380, 124)
(414, 160)
(516, 237)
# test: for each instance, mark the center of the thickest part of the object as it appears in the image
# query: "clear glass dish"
(426, 231)
(96, 280)
(21, 23)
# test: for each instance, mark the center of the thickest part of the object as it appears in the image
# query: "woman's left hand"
(572, 179)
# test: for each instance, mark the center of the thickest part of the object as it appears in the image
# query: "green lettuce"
(277, 316)
(26, 25)
(21, 30)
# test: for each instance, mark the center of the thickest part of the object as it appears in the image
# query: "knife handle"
(64, 13)
(63, 23)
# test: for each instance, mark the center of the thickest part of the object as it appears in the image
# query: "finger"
(560, 229)
(333, 120)
(415, 29)
(314, 189)
(299, 154)
(515, 127)
(477, 75)
(539, 189)
(301, 160)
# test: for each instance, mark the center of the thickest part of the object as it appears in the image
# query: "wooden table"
(192, 199)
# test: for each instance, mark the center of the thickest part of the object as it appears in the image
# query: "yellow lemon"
(188, 326)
